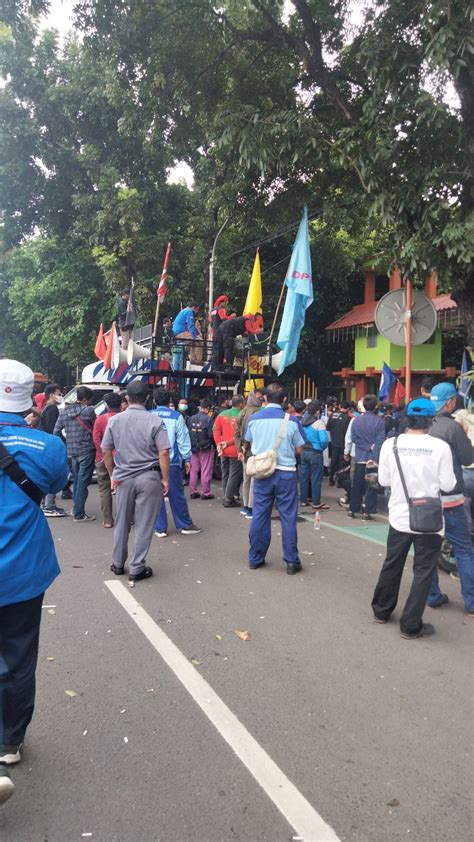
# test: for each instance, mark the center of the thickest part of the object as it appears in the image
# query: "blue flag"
(299, 296)
(464, 387)
(387, 380)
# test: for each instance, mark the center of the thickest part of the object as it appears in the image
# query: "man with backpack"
(77, 421)
(311, 467)
(202, 447)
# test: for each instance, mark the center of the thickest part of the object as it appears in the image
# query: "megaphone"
(276, 360)
(136, 352)
(119, 356)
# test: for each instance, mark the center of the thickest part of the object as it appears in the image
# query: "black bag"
(426, 513)
(11, 468)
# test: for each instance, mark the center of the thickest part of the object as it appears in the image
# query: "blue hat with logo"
(421, 406)
(441, 394)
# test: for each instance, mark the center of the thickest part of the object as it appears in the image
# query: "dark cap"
(137, 389)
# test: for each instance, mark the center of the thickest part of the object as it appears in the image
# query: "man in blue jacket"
(28, 563)
(368, 436)
(184, 327)
(180, 451)
(317, 440)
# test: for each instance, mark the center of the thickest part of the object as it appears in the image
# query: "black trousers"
(386, 592)
(19, 638)
(359, 489)
(232, 473)
(337, 460)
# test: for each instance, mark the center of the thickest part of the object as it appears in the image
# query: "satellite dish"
(391, 317)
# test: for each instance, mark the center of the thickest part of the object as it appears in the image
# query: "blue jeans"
(458, 533)
(281, 488)
(178, 503)
(311, 465)
(82, 470)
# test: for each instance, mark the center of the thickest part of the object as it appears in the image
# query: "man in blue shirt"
(184, 327)
(180, 451)
(28, 563)
(280, 488)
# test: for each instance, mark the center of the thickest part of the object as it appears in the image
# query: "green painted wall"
(424, 357)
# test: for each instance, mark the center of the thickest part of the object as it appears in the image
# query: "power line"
(270, 237)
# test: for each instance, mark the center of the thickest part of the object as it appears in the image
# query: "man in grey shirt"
(139, 471)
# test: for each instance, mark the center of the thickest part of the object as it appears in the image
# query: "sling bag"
(11, 468)
(264, 465)
(425, 513)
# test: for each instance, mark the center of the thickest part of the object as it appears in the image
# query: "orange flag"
(100, 346)
(109, 352)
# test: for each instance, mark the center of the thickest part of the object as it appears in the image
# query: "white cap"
(16, 386)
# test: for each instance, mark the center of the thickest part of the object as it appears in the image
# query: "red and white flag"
(399, 393)
(161, 291)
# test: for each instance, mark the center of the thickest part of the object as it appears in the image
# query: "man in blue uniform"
(180, 451)
(281, 487)
(28, 561)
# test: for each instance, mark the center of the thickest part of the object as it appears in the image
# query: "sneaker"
(194, 495)
(426, 629)
(161, 534)
(244, 511)
(229, 504)
(249, 514)
(207, 497)
(84, 519)
(351, 514)
(192, 529)
(343, 503)
(443, 600)
(66, 495)
(54, 511)
(10, 754)
(7, 787)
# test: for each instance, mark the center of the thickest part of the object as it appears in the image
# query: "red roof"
(364, 314)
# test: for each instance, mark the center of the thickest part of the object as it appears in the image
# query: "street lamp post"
(211, 265)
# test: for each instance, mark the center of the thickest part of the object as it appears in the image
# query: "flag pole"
(158, 297)
(276, 312)
(408, 341)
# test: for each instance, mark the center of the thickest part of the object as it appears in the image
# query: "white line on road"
(298, 812)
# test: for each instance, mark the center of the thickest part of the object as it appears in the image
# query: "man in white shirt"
(427, 466)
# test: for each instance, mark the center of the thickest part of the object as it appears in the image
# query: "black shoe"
(444, 599)
(192, 529)
(367, 517)
(229, 504)
(66, 495)
(144, 574)
(207, 497)
(426, 629)
(194, 496)
(257, 566)
(291, 569)
(351, 514)
(119, 571)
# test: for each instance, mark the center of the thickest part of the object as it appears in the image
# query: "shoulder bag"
(11, 468)
(426, 513)
(264, 464)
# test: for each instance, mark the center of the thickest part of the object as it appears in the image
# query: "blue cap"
(441, 394)
(422, 406)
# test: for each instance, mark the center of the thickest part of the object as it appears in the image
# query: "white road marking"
(298, 812)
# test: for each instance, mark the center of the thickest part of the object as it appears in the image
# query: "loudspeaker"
(136, 352)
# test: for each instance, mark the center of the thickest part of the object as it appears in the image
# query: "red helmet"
(220, 301)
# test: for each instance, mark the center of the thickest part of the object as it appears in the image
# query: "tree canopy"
(273, 105)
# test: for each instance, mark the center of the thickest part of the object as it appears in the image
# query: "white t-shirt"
(427, 466)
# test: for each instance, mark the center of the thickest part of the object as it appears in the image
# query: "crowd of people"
(272, 453)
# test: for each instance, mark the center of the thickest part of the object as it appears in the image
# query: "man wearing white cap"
(32, 464)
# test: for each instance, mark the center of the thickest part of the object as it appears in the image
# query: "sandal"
(321, 506)
(107, 525)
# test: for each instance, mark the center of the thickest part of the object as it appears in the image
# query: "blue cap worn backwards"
(441, 394)
(422, 406)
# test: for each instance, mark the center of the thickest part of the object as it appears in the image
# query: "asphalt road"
(374, 731)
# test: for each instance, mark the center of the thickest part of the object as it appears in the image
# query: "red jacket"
(224, 428)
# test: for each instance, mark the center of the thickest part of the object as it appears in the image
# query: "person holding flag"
(126, 316)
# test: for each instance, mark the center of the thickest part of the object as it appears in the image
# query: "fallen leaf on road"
(49, 606)
(198, 581)
(124, 710)
(50, 658)
(243, 635)
(195, 661)
(125, 739)
(70, 693)
(307, 552)
(393, 803)
(84, 733)
(218, 637)
(51, 611)
(78, 566)
(151, 690)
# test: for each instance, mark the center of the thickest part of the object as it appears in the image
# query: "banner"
(299, 296)
(387, 380)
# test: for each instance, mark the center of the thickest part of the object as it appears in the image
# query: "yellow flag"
(253, 303)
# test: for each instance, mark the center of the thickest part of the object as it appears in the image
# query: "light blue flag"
(299, 296)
